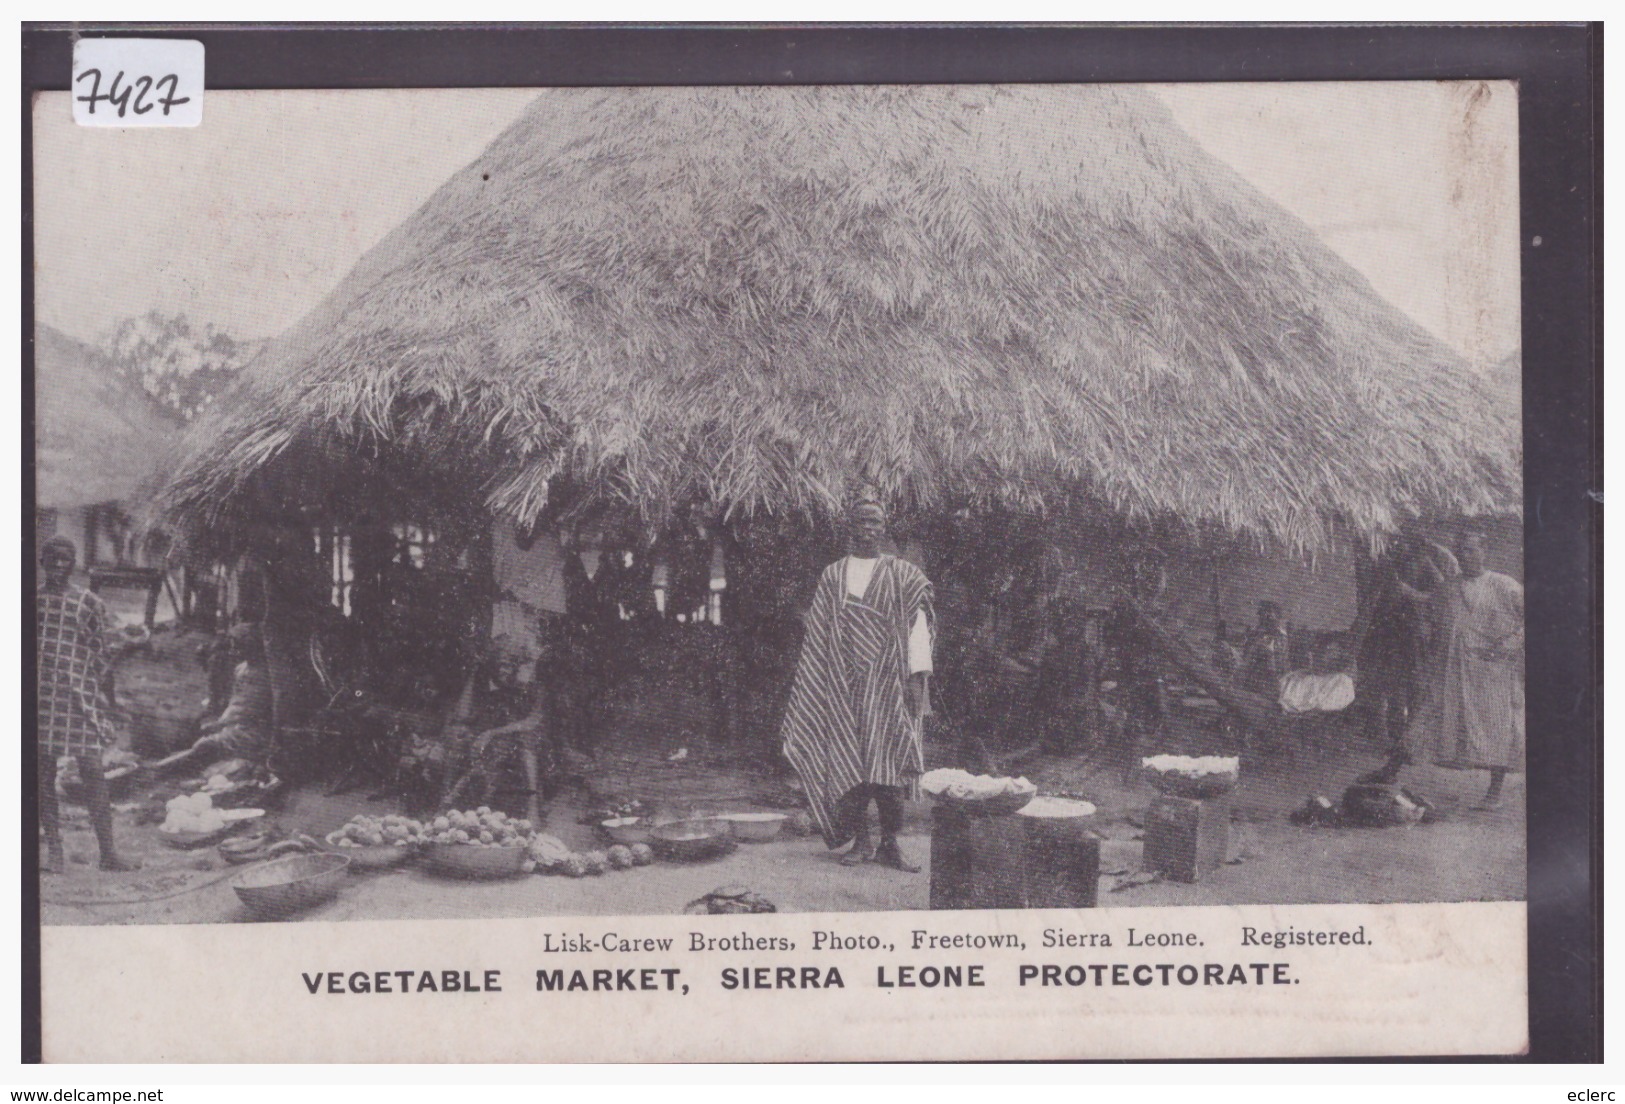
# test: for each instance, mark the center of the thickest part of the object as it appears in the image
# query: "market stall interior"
(520, 526)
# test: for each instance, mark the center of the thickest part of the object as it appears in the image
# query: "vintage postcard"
(824, 572)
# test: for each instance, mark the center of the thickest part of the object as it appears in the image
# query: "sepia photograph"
(808, 499)
(608, 549)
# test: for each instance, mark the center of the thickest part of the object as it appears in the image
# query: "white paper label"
(137, 82)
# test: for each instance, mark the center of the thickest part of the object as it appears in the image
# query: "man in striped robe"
(852, 725)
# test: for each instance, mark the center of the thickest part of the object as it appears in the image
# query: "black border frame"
(1559, 69)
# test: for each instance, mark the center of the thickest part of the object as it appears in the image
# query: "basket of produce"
(376, 843)
(978, 794)
(691, 840)
(754, 827)
(286, 886)
(626, 830)
(1193, 776)
(478, 844)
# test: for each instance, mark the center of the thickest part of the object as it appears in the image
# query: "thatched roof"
(1032, 295)
(98, 436)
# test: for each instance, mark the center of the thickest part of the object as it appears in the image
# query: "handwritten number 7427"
(132, 96)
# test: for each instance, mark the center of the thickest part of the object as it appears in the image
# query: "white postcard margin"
(1430, 979)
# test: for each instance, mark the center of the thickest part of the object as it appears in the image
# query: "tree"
(181, 364)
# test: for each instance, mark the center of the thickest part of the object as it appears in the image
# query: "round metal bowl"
(1176, 784)
(754, 827)
(283, 887)
(366, 859)
(1002, 805)
(626, 830)
(467, 860)
(691, 840)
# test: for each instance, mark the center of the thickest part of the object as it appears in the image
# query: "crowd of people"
(883, 643)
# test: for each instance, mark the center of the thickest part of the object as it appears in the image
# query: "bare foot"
(890, 854)
(862, 851)
(116, 864)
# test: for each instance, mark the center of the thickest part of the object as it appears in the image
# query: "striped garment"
(848, 720)
(72, 659)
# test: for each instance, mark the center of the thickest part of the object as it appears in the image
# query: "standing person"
(73, 665)
(1393, 645)
(1264, 657)
(1471, 712)
(529, 566)
(593, 586)
(852, 726)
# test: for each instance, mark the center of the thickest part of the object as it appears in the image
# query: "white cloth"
(1302, 692)
(858, 574)
(919, 645)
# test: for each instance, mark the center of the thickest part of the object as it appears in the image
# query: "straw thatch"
(1029, 295)
(98, 436)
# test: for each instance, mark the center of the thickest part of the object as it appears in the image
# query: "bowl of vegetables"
(477, 844)
(376, 843)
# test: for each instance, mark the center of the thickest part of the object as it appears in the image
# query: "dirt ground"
(1468, 856)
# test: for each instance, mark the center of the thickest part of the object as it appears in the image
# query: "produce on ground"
(548, 855)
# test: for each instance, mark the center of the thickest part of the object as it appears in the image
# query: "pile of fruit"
(371, 831)
(479, 827)
(549, 855)
(192, 813)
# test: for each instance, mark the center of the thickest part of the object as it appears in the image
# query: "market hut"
(98, 439)
(1044, 301)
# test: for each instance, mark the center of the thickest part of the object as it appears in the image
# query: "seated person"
(503, 744)
(243, 728)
